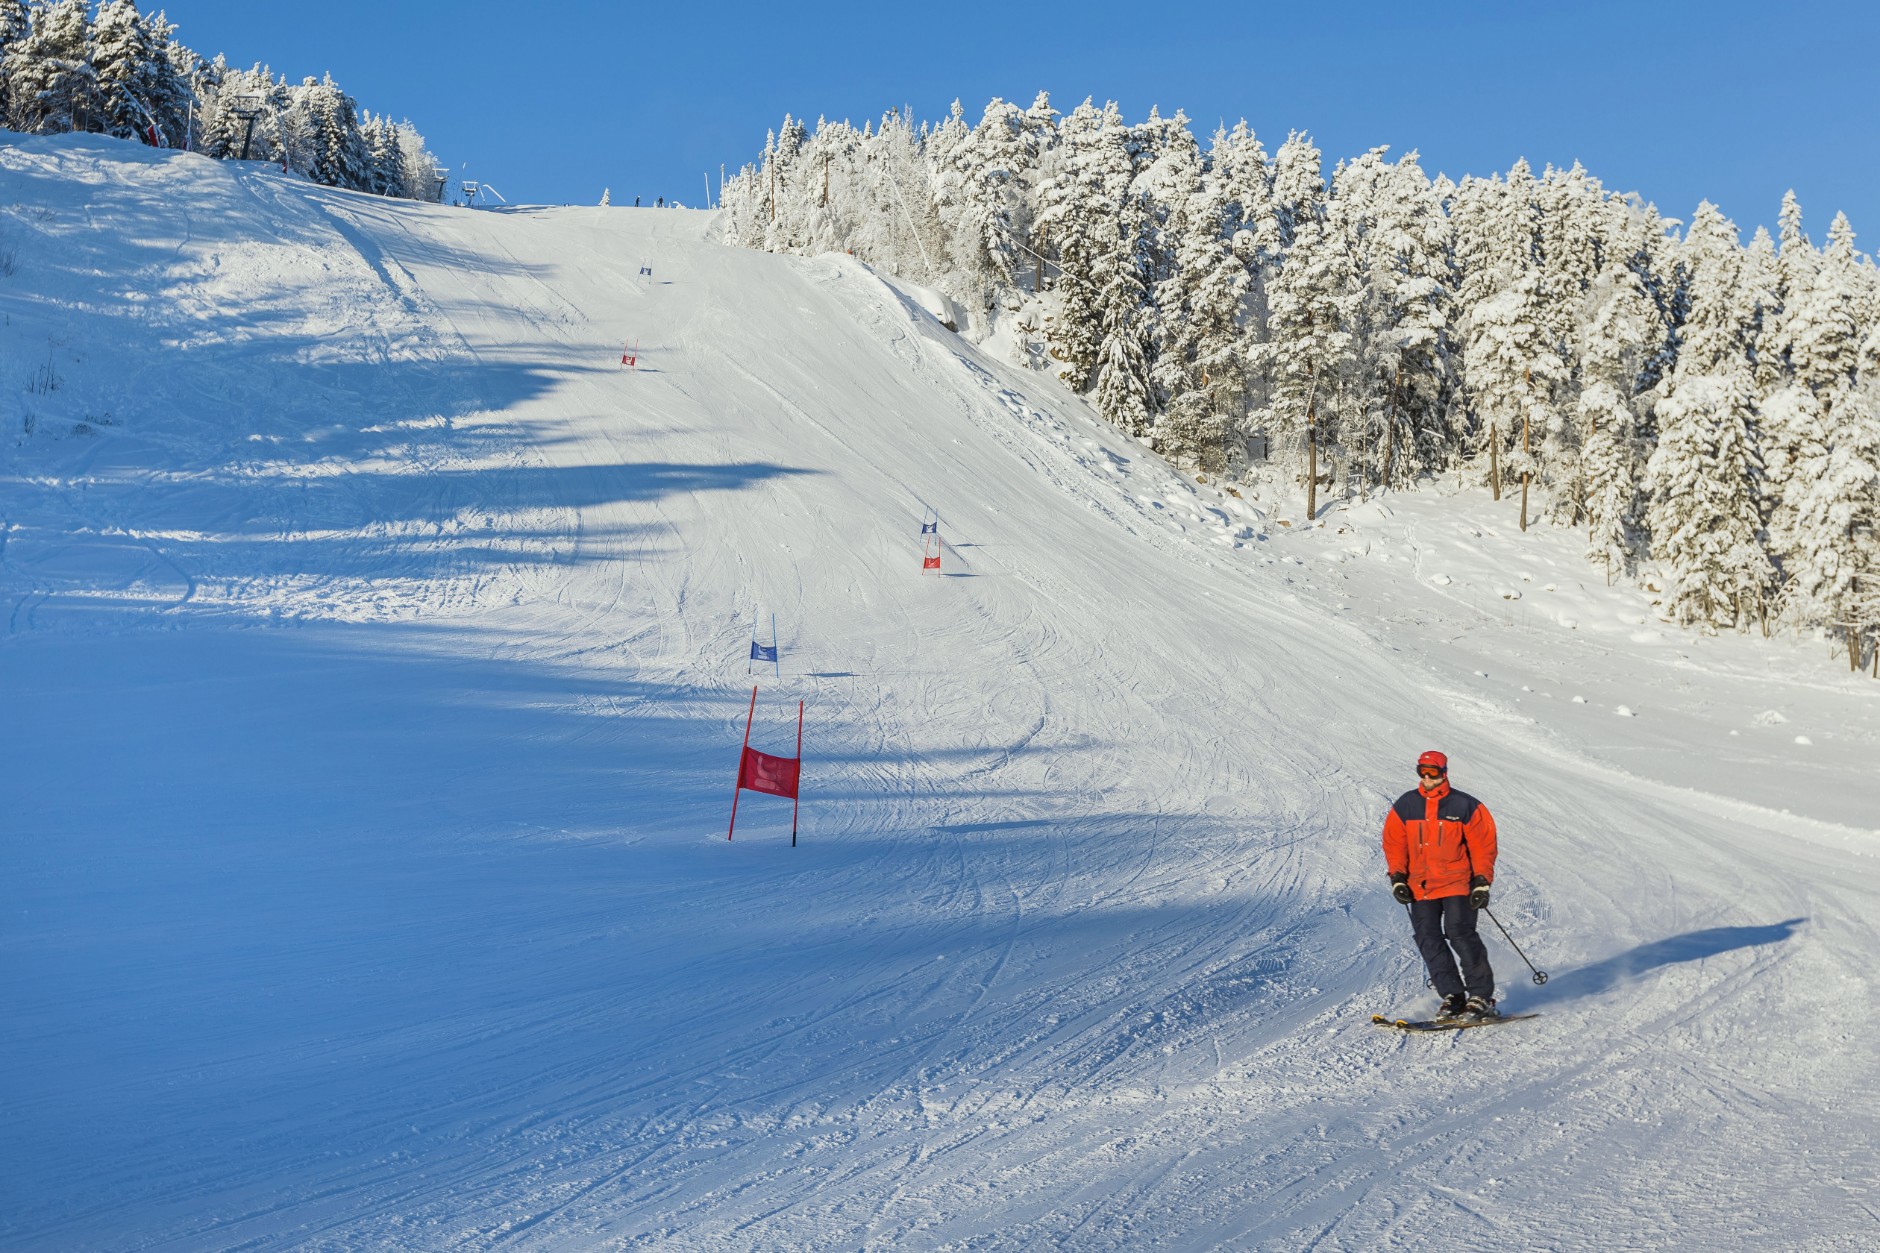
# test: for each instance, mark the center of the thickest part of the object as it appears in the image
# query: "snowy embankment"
(375, 662)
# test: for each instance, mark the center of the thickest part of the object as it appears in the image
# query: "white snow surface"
(376, 666)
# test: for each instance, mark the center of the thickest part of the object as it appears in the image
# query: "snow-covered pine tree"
(418, 168)
(126, 68)
(1835, 542)
(15, 26)
(1167, 184)
(1508, 325)
(1706, 527)
(325, 143)
(1299, 191)
(1123, 391)
(1200, 370)
(1825, 341)
(1080, 199)
(1609, 467)
(1819, 430)
(49, 77)
(1614, 334)
(1761, 284)
(1395, 235)
(1129, 262)
(908, 235)
(986, 173)
(1793, 430)
(835, 150)
(1513, 369)
(1574, 250)
(1307, 358)
(1238, 160)
(1041, 137)
(384, 168)
(216, 132)
(174, 69)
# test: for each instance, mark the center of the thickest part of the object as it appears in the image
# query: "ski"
(1448, 1024)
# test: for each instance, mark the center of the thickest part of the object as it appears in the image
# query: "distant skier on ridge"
(1439, 847)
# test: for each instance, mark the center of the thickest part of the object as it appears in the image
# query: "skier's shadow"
(1691, 946)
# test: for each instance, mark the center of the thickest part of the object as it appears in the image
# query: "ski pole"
(1540, 976)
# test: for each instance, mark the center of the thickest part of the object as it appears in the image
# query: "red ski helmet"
(1434, 758)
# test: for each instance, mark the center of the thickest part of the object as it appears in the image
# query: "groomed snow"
(375, 663)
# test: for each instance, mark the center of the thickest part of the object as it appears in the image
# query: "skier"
(1439, 846)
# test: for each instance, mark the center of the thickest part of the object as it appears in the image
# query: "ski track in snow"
(375, 647)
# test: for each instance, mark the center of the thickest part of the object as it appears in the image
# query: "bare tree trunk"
(1390, 426)
(1494, 460)
(825, 202)
(773, 195)
(1527, 452)
(1312, 471)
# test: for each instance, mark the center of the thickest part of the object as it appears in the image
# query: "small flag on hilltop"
(764, 652)
(764, 772)
(929, 548)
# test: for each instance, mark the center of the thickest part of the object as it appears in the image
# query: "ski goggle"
(1430, 772)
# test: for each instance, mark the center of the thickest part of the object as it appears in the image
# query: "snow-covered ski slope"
(375, 670)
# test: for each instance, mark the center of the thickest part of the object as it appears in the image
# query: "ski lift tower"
(470, 190)
(247, 107)
(442, 176)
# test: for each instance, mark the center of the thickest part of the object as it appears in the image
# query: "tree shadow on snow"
(1627, 966)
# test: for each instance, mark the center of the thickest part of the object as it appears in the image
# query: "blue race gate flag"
(930, 528)
(763, 652)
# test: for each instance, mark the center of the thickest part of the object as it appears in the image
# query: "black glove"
(1478, 892)
(1400, 888)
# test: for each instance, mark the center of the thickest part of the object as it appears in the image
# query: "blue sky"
(1677, 101)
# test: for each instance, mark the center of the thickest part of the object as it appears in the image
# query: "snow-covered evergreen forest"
(1708, 412)
(116, 71)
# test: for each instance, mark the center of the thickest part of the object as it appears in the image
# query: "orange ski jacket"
(1440, 839)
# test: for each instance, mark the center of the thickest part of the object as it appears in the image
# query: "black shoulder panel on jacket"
(1409, 806)
(1457, 807)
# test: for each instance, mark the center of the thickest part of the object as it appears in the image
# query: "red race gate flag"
(762, 772)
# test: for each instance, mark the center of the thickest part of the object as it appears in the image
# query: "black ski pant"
(1449, 923)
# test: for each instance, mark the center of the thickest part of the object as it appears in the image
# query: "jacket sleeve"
(1481, 836)
(1396, 845)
